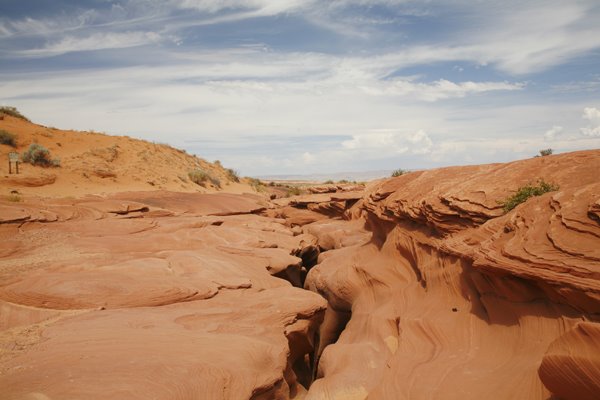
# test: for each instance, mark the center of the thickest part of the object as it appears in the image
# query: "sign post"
(13, 157)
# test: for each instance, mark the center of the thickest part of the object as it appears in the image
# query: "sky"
(306, 86)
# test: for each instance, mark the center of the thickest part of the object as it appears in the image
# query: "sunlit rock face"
(452, 298)
(153, 295)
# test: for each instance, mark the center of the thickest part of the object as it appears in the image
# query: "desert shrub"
(546, 152)
(37, 154)
(525, 192)
(232, 175)
(13, 112)
(344, 181)
(8, 138)
(256, 184)
(398, 172)
(292, 191)
(216, 182)
(329, 182)
(14, 197)
(200, 177)
(217, 163)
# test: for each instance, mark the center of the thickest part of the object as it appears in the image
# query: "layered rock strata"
(153, 295)
(455, 299)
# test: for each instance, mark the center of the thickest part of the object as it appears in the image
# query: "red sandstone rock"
(571, 366)
(434, 292)
(28, 180)
(452, 299)
(159, 306)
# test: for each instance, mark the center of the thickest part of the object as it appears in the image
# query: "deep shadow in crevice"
(329, 332)
(310, 256)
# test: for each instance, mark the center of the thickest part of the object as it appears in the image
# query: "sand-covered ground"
(95, 163)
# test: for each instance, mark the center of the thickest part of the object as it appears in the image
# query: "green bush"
(8, 138)
(398, 172)
(13, 112)
(329, 182)
(527, 191)
(546, 152)
(200, 177)
(37, 154)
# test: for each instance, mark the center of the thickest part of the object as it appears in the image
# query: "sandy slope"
(98, 163)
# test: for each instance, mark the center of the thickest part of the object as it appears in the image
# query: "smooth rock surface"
(122, 297)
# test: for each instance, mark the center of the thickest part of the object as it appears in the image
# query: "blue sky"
(309, 86)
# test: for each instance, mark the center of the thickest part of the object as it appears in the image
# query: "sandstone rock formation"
(124, 298)
(452, 299)
(420, 287)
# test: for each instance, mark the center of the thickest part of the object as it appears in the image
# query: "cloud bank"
(374, 84)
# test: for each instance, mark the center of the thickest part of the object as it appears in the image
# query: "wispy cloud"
(96, 41)
(438, 90)
(432, 83)
(518, 39)
(261, 7)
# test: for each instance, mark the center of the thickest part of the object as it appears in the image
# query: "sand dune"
(93, 163)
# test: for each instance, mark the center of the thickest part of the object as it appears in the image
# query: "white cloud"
(592, 115)
(518, 38)
(438, 90)
(553, 132)
(590, 86)
(153, 103)
(32, 26)
(224, 94)
(97, 41)
(266, 7)
(421, 142)
(449, 150)
(308, 158)
(386, 142)
(534, 35)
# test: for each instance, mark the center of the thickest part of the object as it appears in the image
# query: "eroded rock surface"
(422, 287)
(153, 295)
(453, 299)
